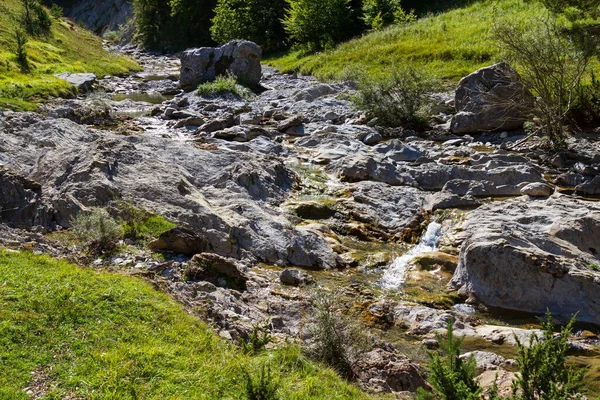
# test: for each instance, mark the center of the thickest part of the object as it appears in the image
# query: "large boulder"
(531, 256)
(491, 99)
(83, 82)
(240, 58)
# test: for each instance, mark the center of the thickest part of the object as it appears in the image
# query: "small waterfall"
(395, 275)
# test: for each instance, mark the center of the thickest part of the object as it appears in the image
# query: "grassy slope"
(105, 336)
(68, 48)
(449, 45)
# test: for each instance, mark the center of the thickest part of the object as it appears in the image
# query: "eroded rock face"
(491, 99)
(240, 58)
(21, 203)
(533, 255)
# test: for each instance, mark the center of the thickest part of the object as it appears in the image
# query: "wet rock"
(314, 210)
(381, 370)
(294, 277)
(491, 99)
(179, 240)
(537, 189)
(591, 188)
(436, 259)
(190, 121)
(532, 256)
(83, 82)
(240, 58)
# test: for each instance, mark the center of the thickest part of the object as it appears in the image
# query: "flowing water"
(395, 275)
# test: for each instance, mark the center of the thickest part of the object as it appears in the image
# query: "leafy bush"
(97, 229)
(21, 51)
(336, 340)
(222, 85)
(380, 13)
(317, 25)
(400, 100)
(261, 387)
(255, 20)
(451, 377)
(543, 373)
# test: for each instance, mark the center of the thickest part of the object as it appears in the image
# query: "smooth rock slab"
(83, 82)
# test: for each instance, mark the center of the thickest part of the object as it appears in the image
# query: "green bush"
(255, 20)
(56, 11)
(222, 85)
(335, 339)
(317, 25)
(398, 100)
(450, 377)
(543, 373)
(97, 230)
(261, 387)
(378, 14)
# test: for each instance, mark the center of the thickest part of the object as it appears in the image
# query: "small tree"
(36, 19)
(255, 20)
(451, 377)
(317, 25)
(378, 14)
(543, 373)
(21, 51)
(552, 65)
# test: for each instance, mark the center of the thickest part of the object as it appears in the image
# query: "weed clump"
(398, 100)
(98, 230)
(220, 86)
(262, 386)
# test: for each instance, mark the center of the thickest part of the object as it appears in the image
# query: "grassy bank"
(449, 45)
(67, 332)
(67, 48)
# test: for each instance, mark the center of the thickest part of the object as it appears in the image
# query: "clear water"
(395, 275)
(154, 98)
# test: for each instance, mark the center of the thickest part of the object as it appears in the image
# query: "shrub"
(97, 229)
(335, 340)
(257, 340)
(141, 225)
(380, 13)
(552, 64)
(261, 387)
(21, 51)
(222, 85)
(451, 377)
(56, 11)
(543, 373)
(398, 100)
(255, 20)
(317, 25)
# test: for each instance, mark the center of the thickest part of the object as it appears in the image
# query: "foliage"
(316, 25)
(257, 340)
(21, 51)
(543, 373)
(36, 19)
(263, 387)
(222, 85)
(335, 339)
(56, 11)
(153, 22)
(378, 14)
(400, 100)
(192, 19)
(141, 225)
(551, 66)
(449, 45)
(255, 20)
(97, 229)
(451, 377)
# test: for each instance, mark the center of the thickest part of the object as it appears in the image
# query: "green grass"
(67, 48)
(448, 45)
(98, 335)
(221, 85)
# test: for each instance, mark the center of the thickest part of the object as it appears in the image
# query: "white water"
(395, 275)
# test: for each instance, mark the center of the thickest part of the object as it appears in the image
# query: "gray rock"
(179, 240)
(537, 189)
(294, 277)
(83, 82)
(100, 16)
(591, 187)
(372, 139)
(21, 201)
(532, 256)
(291, 122)
(491, 99)
(212, 268)
(485, 360)
(240, 58)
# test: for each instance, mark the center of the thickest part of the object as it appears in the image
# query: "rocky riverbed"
(292, 189)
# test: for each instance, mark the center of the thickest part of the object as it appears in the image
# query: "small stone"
(537, 189)
(294, 277)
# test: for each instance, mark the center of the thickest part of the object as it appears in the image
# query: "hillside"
(67, 48)
(66, 332)
(449, 45)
